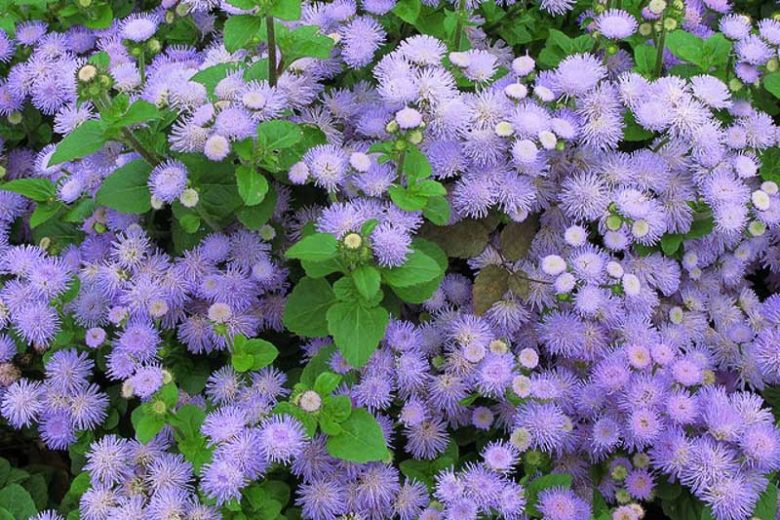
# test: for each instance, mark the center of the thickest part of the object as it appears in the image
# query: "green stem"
(269, 21)
(660, 144)
(659, 54)
(102, 103)
(399, 164)
(459, 25)
(142, 66)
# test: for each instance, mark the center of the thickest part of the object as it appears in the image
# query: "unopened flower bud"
(504, 129)
(87, 73)
(657, 6)
(353, 241)
(189, 198)
(310, 401)
(460, 59)
(516, 91)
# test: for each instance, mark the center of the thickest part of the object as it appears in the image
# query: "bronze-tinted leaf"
(516, 238)
(519, 284)
(489, 287)
(464, 239)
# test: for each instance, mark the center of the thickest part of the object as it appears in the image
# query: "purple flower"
(22, 402)
(616, 24)
(360, 39)
(281, 438)
(108, 460)
(168, 180)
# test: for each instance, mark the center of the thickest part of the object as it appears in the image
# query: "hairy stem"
(659, 54)
(459, 24)
(272, 72)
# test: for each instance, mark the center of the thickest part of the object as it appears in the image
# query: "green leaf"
(191, 443)
(38, 489)
(428, 188)
(126, 189)
(356, 330)
(670, 243)
(406, 199)
(286, 9)
(321, 269)
(190, 222)
(326, 383)
(417, 166)
(85, 139)
(407, 10)
(304, 312)
(772, 83)
(278, 135)
(632, 131)
(417, 269)
(146, 423)
(361, 439)
(644, 59)
(559, 45)
(252, 185)
(367, 281)
(254, 217)
(253, 354)
(243, 4)
(766, 508)
(139, 112)
(240, 29)
(305, 41)
(317, 365)
(770, 165)
(39, 190)
(317, 247)
(211, 76)
(685, 46)
(18, 502)
(437, 210)
(44, 212)
(421, 292)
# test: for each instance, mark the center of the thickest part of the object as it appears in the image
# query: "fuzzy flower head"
(168, 180)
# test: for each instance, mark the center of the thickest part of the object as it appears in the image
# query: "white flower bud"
(460, 59)
(548, 140)
(769, 187)
(516, 91)
(614, 269)
(529, 358)
(553, 265)
(631, 284)
(360, 162)
(87, 73)
(575, 235)
(189, 198)
(640, 228)
(760, 200)
(565, 283)
(504, 129)
(523, 65)
(310, 401)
